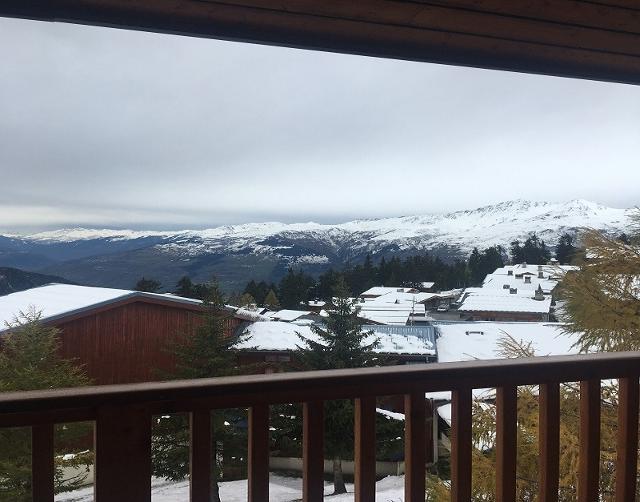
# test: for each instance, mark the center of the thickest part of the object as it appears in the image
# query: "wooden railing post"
(506, 443)
(461, 401)
(313, 451)
(42, 463)
(549, 442)
(589, 455)
(259, 453)
(627, 447)
(123, 454)
(365, 449)
(200, 458)
(414, 446)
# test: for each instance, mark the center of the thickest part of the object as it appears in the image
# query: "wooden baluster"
(365, 449)
(588, 469)
(42, 467)
(259, 453)
(414, 447)
(506, 443)
(123, 454)
(549, 442)
(200, 458)
(461, 445)
(627, 447)
(313, 451)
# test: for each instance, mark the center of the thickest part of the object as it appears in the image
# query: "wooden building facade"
(128, 341)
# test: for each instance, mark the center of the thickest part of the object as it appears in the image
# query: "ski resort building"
(119, 336)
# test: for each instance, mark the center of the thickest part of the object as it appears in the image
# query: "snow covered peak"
(482, 227)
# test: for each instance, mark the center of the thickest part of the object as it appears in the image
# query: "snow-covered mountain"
(267, 249)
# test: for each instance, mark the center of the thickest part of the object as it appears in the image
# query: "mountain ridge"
(237, 253)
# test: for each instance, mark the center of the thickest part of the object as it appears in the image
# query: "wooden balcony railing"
(122, 416)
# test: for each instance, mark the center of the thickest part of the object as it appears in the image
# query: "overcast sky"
(112, 128)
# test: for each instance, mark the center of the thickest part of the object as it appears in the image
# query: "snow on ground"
(281, 489)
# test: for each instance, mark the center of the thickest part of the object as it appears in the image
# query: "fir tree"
(148, 285)
(208, 352)
(566, 250)
(341, 343)
(184, 287)
(29, 360)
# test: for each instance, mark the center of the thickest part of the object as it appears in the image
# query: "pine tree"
(476, 274)
(208, 352)
(566, 250)
(341, 343)
(29, 360)
(184, 287)
(148, 285)
(517, 252)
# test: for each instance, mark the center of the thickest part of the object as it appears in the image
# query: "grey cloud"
(105, 126)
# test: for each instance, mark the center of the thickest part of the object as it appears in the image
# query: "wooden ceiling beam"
(570, 38)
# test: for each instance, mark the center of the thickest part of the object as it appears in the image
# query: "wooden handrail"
(244, 391)
(123, 423)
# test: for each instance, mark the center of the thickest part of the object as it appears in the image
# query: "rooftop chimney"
(539, 294)
(513, 291)
(527, 279)
(509, 272)
(506, 286)
(540, 274)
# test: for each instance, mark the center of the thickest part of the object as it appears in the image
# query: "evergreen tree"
(29, 360)
(184, 287)
(208, 352)
(517, 252)
(535, 250)
(295, 288)
(341, 343)
(566, 250)
(476, 274)
(148, 285)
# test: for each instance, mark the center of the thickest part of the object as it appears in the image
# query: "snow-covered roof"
(466, 341)
(316, 303)
(276, 335)
(60, 300)
(478, 340)
(497, 281)
(505, 303)
(383, 290)
(399, 297)
(427, 285)
(288, 315)
(248, 314)
(391, 313)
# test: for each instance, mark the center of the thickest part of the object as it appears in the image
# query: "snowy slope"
(462, 230)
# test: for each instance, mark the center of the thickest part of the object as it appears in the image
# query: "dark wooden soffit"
(597, 39)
